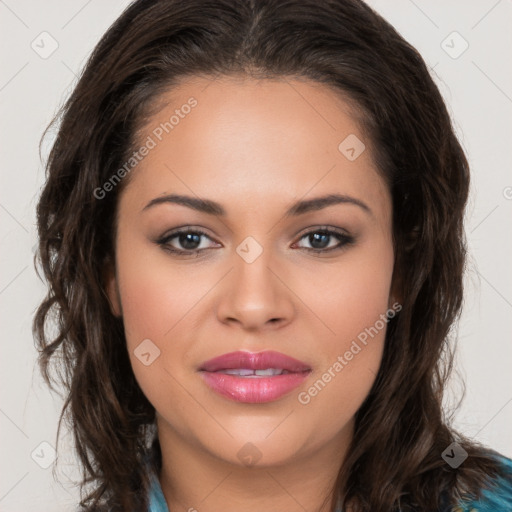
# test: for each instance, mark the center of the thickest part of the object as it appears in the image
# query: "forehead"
(247, 139)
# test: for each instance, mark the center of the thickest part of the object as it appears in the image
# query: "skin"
(255, 147)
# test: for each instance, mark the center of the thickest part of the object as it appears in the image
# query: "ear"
(112, 290)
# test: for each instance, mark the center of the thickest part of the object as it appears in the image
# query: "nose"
(256, 296)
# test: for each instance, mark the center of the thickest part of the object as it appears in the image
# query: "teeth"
(269, 371)
(246, 372)
(242, 372)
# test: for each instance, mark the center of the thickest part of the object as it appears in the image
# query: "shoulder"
(497, 496)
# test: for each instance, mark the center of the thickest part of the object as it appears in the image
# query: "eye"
(189, 239)
(320, 239)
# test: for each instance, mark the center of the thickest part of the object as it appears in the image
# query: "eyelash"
(345, 240)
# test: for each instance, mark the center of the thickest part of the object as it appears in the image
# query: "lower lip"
(253, 390)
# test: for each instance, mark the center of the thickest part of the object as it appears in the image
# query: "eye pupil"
(315, 237)
(185, 240)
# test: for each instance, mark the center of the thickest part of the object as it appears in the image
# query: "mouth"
(254, 377)
(248, 373)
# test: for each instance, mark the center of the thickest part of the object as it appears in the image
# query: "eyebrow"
(213, 208)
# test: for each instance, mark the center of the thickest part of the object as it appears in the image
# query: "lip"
(254, 389)
(254, 361)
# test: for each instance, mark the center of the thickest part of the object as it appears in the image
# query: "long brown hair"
(394, 461)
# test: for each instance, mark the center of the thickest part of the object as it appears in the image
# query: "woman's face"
(263, 151)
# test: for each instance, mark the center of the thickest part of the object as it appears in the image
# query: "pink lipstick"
(254, 377)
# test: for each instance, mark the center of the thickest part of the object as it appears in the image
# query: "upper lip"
(254, 361)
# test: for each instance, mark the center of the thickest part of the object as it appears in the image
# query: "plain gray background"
(466, 44)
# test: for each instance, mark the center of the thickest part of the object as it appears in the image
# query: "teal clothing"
(157, 501)
(498, 498)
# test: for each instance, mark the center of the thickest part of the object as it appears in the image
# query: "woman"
(252, 232)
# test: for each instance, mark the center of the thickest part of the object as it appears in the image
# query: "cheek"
(155, 302)
(351, 363)
(352, 303)
(352, 295)
(154, 295)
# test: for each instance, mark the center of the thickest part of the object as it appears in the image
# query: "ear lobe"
(112, 291)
